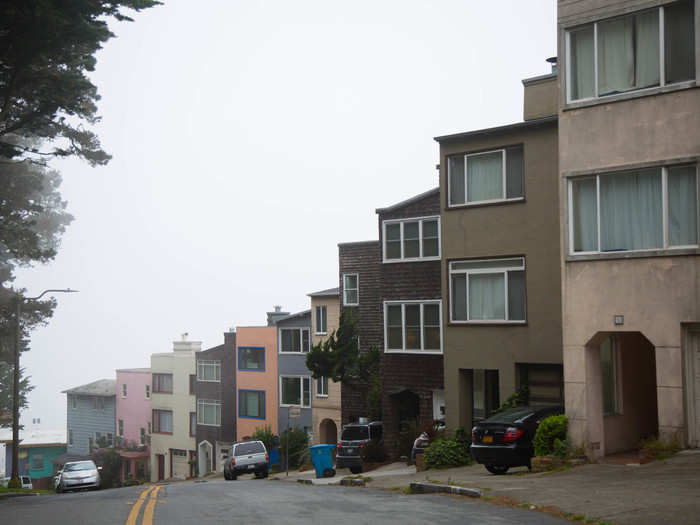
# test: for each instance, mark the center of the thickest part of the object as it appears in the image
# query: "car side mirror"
(99, 468)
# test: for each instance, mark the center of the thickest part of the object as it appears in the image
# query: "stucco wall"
(134, 409)
(261, 336)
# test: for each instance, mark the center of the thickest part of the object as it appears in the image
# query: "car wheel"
(226, 476)
(234, 477)
(497, 469)
(265, 473)
(355, 470)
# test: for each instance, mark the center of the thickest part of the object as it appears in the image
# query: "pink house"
(133, 425)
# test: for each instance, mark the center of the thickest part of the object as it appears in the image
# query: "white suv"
(248, 456)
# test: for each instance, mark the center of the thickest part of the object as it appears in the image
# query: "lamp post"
(14, 481)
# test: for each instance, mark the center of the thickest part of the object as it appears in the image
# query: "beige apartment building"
(325, 405)
(174, 411)
(629, 149)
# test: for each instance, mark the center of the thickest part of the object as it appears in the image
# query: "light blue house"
(91, 414)
(293, 343)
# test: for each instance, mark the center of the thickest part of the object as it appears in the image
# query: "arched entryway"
(204, 457)
(328, 431)
(621, 393)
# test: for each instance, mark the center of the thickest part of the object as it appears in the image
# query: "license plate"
(251, 467)
(487, 439)
(351, 451)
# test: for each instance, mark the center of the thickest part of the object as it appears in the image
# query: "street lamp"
(14, 481)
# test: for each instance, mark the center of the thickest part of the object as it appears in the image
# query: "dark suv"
(353, 438)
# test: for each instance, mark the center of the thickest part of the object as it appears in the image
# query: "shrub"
(659, 448)
(298, 445)
(463, 437)
(516, 399)
(374, 452)
(446, 453)
(561, 448)
(551, 428)
(265, 434)
(109, 460)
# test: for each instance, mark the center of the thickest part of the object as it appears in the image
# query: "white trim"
(209, 363)
(401, 222)
(210, 402)
(324, 315)
(422, 303)
(345, 302)
(301, 390)
(486, 271)
(316, 386)
(301, 330)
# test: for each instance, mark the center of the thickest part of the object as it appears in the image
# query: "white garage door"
(181, 468)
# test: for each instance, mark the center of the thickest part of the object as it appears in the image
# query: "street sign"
(294, 412)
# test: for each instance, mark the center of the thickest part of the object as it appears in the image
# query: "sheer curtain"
(582, 64)
(485, 177)
(585, 215)
(631, 211)
(615, 55)
(487, 296)
(647, 47)
(682, 206)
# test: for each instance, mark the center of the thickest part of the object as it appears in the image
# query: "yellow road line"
(134, 514)
(150, 507)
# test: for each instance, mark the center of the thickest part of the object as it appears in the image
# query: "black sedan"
(505, 439)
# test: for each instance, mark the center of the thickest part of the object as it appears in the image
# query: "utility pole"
(14, 481)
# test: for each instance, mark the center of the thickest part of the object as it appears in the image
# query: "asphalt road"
(257, 502)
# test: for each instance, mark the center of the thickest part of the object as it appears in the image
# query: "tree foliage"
(47, 47)
(6, 382)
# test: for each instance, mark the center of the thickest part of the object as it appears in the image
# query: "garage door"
(180, 466)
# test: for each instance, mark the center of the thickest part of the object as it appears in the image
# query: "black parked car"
(353, 438)
(505, 439)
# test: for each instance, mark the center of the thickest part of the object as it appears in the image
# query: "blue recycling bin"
(323, 461)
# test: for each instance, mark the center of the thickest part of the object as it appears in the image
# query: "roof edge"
(408, 201)
(508, 127)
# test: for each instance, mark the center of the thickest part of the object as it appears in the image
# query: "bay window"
(411, 239)
(412, 326)
(294, 340)
(490, 290)
(646, 209)
(295, 391)
(650, 48)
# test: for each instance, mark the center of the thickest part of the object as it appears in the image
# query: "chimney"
(184, 345)
(272, 317)
(553, 62)
(230, 337)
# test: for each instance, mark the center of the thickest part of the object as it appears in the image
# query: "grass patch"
(5, 490)
(659, 449)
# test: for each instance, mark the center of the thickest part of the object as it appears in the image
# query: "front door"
(181, 468)
(161, 467)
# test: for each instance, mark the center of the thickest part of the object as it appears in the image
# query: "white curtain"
(166, 421)
(647, 47)
(455, 168)
(487, 296)
(252, 405)
(682, 206)
(616, 55)
(585, 215)
(485, 177)
(631, 211)
(582, 64)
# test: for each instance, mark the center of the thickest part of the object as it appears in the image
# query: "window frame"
(155, 413)
(124, 391)
(148, 391)
(664, 211)
(323, 382)
(345, 289)
(301, 330)
(74, 402)
(321, 309)
(504, 176)
(264, 401)
(156, 379)
(401, 222)
(120, 427)
(251, 369)
(216, 364)
(210, 402)
(142, 436)
(403, 304)
(493, 270)
(36, 457)
(193, 423)
(302, 379)
(641, 91)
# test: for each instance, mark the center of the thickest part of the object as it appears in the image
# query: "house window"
(489, 176)
(294, 339)
(142, 436)
(163, 383)
(148, 391)
(251, 403)
(120, 428)
(646, 209)
(209, 412)
(162, 421)
(321, 320)
(412, 326)
(650, 48)
(351, 289)
(491, 290)
(98, 403)
(149, 427)
(209, 371)
(322, 386)
(193, 384)
(193, 424)
(608, 376)
(37, 462)
(251, 358)
(295, 390)
(412, 239)
(70, 436)
(74, 402)
(123, 389)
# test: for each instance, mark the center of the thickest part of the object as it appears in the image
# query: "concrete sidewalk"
(388, 471)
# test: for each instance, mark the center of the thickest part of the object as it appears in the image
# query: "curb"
(8, 495)
(434, 488)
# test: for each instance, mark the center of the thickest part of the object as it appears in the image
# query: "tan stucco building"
(629, 147)
(325, 403)
(174, 417)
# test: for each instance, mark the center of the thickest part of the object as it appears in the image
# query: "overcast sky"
(249, 139)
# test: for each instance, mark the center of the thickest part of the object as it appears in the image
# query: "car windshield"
(81, 465)
(354, 433)
(254, 447)
(512, 415)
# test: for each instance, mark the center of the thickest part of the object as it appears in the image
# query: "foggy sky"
(249, 139)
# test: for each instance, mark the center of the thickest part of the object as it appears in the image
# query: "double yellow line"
(150, 507)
